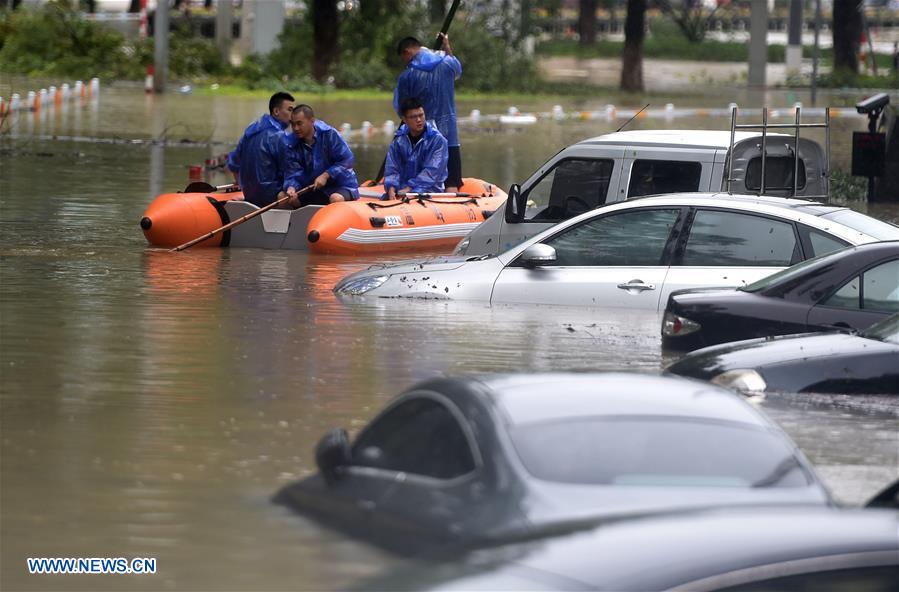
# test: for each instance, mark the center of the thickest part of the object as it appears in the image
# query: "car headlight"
(745, 380)
(361, 285)
(462, 246)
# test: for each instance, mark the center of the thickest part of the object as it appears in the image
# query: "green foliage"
(488, 64)
(845, 187)
(54, 40)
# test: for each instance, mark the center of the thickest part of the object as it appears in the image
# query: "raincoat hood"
(264, 123)
(426, 60)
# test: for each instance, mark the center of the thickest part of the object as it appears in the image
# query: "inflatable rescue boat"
(368, 225)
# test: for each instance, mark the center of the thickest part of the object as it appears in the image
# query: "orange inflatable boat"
(421, 222)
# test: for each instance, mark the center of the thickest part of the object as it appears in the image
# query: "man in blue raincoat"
(431, 77)
(417, 157)
(314, 153)
(254, 162)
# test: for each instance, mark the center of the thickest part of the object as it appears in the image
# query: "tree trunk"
(632, 59)
(134, 7)
(324, 37)
(586, 22)
(847, 31)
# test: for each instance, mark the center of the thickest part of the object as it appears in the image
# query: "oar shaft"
(425, 194)
(240, 220)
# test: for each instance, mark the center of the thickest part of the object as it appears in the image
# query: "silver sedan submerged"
(634, 254)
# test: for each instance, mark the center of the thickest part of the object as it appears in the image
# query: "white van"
(621, 165)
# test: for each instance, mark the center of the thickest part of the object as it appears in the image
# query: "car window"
(634, 238)
(858, 579)
(847, 296)
(792, 273)
(651, 177)
(733, 239)
(420, 436)
(778, 173)
(657, 451)
(865, 224)
(886, 330)
(880, 287)
(824, 243)
(572, 187)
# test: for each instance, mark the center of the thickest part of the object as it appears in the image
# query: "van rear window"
(778, 173)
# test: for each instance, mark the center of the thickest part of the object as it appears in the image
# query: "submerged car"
(477, 460)
(850, 289)
(633, 254)
(836, 362)
(737, 549)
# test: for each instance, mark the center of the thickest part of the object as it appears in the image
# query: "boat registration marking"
(393, 221)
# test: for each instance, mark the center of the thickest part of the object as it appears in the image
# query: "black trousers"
(454, 167)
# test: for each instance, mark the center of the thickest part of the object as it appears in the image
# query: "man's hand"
(391, 193)
(321, 180)
(445, 44)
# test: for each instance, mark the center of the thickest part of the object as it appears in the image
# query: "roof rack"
(764, 127)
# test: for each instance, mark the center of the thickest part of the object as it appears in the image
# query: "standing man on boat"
(316, 154)
(417, 157)
(431, 77)
(254, 162)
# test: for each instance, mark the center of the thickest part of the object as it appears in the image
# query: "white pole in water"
(15, 102)
(79, 89)
(558, 113)
(95, 87)
(366, 128)
(29, 102)
(475, 115)
(389, 127)
(65, 92)
(345, 129)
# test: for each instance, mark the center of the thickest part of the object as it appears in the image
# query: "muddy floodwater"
(151, 403)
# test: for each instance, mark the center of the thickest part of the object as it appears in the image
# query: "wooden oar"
(240, 220)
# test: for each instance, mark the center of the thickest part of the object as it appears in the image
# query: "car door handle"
(637, 285)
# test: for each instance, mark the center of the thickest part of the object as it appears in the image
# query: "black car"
(852, 288)
(838, 362)
(471, 460)
(737, 549)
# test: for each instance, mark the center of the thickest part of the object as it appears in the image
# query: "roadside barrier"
(514, 117)
(52, 97)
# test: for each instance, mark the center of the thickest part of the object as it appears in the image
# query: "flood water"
(151, 403)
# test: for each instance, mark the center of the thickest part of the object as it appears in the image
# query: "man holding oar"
(431, 76)
(254, 162)
(417, 157)
(316, 154)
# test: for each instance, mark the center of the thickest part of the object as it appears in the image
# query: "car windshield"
(886, 330)
(657, 451)
(865, 224)
(789, 273)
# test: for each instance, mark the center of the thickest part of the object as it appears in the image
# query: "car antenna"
(624, 125)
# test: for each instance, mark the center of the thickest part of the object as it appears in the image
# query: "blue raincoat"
(431, 77)
(421, 167)
(256, 160)
(329, 152)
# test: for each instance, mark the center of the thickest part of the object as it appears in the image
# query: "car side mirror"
(331, 453)
(515, 205)
(537, 255)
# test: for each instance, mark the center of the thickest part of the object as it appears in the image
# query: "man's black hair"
(305, 109)
(405, 43)
(410, 104)
(277, 99)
